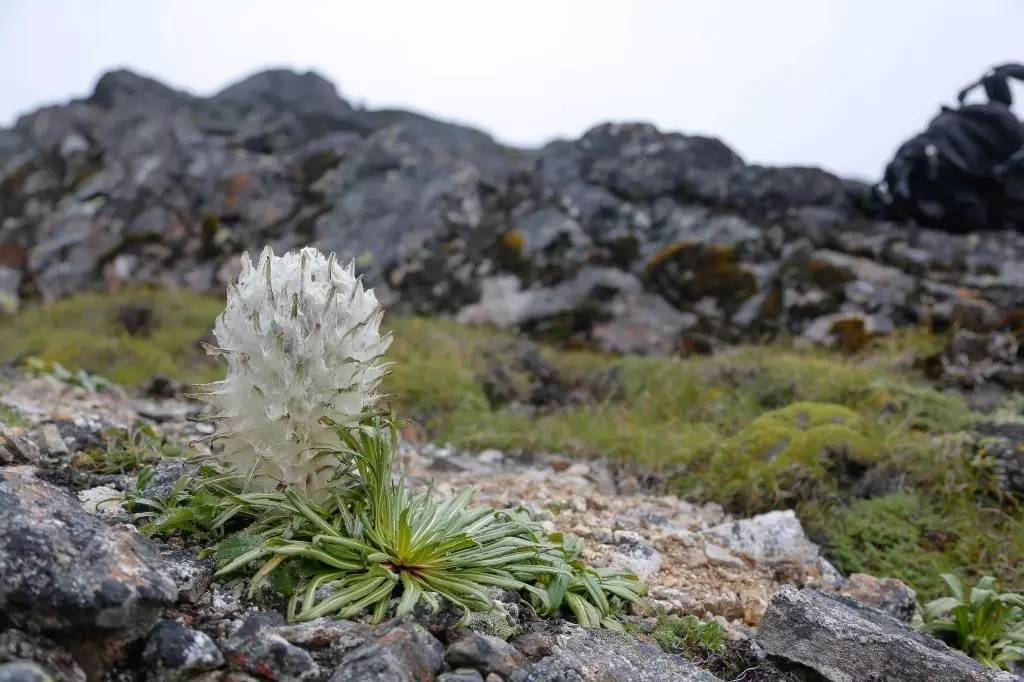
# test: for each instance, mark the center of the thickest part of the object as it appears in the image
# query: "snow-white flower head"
(302, 341)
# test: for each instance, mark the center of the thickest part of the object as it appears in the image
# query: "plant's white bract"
(301, 337)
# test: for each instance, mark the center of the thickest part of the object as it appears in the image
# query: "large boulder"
(66, 574)
(845, 642)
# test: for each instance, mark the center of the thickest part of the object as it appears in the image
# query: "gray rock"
(719, 556)
(564, 651)
(485, 653)
(1000, 447)
(21, 647)
(398, 651)
(143, 183)
(637, 161)
(51, 442)
(642, 324)
(23, 671)
(844, 642)
(461, 675)
(847, 331)
(631, 552)
(16, 448)
(890, 595)
(174, 652)
(64, 571)
(192, 574)
(772, 538)
(256, 648)
(505, 620)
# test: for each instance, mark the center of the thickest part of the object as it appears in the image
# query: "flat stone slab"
(845, 642)
(578, 653)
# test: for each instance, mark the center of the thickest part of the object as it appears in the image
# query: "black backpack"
(964, 173)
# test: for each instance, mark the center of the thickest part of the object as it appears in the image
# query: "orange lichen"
(514, 241)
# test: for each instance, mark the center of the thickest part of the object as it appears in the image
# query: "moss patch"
(782, 456)
(688, 636)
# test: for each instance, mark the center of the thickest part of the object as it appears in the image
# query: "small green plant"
(125, 450)
(90, 382)
(375, 541)
(199, 505)
(11, 417)
(982, 622)
(690, 636)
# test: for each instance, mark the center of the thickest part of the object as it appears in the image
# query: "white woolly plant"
(302, 341)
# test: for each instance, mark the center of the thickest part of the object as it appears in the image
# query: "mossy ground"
(86, 332)
(871, 458)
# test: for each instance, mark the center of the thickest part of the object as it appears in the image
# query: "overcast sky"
(835, 83)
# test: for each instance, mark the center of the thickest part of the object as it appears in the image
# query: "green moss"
(687, 635)
(11, 417)
(496, 623)
(789, 454)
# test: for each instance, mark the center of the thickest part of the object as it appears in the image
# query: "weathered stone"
(885, 594)
(192, 574)
(630, 552)
(637, 161)
(461, 675)
(16, 448)
(719, 556)
(848, 332)
(1000, 451)
(484, 653)
(51, 442)
(398, 651)
(257, 649)
(773, 537)
(443, 219)
(570, 652)
(174, 652)
(20, 647)
(64, 571)
(23, 671)
(843, 642)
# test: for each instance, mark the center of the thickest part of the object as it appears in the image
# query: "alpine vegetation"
(311, 503)
(302, 341)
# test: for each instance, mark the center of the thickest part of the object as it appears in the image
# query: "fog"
(837, 84)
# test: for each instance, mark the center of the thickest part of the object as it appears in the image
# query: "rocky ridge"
(628, 239)
(85, 596)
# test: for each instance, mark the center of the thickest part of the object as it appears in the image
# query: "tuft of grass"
(917, 537)
(892, 535)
